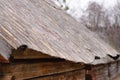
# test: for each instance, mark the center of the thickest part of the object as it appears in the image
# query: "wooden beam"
(7, 78)
(73, 75)
(29, 54)
(29, 70)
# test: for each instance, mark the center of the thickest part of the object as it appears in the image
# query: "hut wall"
(118, 63)
(76, 75)
(101, 72)
(23, 65)
(57, 71)
(106, 71)
(113, 70)
(42, 70)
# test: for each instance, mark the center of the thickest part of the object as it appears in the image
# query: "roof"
(43, 27)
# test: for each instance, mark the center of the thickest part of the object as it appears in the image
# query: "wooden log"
(107, 71)
(74, 75)
(101, 72)
(29, 54)
(29, 70)
(113, 70)
(7, 78)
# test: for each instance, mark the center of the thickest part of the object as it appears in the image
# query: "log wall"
(32, 65)
(107, 71)
(37, 69)
(75, 75)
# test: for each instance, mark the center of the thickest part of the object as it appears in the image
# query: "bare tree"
(106, 24)
(93, 16)
(113, 32)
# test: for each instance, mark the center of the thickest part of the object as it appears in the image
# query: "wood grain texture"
(7, 78)
(107, 71)
(76, 75)
(41, 26)
(5, 51)
(30, 70)
(29, 54)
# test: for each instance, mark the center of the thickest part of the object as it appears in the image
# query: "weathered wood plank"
(29, 54)
(29, 70)
(75, 75)
(5, 51)
(6, 78)
(107, 71)
(41, 26)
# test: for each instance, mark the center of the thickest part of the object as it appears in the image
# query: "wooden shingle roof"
(43, 27)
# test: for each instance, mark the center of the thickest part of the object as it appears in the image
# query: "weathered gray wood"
(5, 50)
(106, 71)
(41, 26)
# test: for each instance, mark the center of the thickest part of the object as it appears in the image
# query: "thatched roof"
(43, 27)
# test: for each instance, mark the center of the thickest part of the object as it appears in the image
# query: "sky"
(76, 7)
